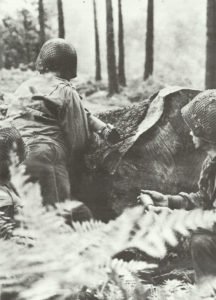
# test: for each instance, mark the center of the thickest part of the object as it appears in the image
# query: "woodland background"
(179, 36)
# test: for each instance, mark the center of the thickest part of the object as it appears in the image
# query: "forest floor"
(95, 94)
(176, 272)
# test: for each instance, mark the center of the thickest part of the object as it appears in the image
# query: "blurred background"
(155, 43)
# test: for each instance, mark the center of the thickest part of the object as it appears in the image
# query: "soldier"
(56, 128)
(200, 116)
(10, 141)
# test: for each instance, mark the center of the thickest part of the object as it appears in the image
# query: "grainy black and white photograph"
(107, 149)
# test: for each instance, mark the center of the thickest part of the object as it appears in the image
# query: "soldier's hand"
(158, 199)
(145, 200)
(110, 134)
(159, 209)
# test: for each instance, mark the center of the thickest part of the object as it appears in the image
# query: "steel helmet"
(11, 140)
(56, 55)
(200, 115)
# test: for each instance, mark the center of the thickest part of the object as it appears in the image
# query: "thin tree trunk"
(1, 55)
(149, 59)
(27, 45)
(111, 58)
(61, 27)
(41, 18)
(210, 80)
(122, 78)
(97, 45)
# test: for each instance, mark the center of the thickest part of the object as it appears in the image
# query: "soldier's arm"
(105, 131)
(186, 201)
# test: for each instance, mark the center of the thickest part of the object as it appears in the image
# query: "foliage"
(180, 30)
(20, 39)
(46, 258)
(140, 90)
(11, 79)
(174, 289)
(6, 226)
(95, 92)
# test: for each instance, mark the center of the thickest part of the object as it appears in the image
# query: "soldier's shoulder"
(68, 90)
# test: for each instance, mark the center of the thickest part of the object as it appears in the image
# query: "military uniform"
(200, 116)
(55, 133)
(56, 128)
(10, 140)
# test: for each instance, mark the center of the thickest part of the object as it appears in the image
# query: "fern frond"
(119, 265)
(46, 250)
(88, 226)
(6, 226)
(174, 289)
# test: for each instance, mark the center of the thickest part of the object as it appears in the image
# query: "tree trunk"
(156, 153)
(210, 80)
(27, 46)
(111, 58)
(61, 28)
(97, 45)
(41, 17)
(1, 55)
(149, 59)
(122, 78)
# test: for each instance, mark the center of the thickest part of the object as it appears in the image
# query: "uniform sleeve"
(187, 201)
(74, 119)
(190, 200)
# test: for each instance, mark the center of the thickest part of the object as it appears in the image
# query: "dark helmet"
(56, 55)
(11, 140)
(200, 115)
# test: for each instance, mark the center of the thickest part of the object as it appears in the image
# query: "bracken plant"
(43, 258)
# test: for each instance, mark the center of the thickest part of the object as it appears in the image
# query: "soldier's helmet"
(56, 55)
(200, 115)
(10, 142)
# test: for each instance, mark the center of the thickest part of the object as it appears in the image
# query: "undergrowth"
(47, 259)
